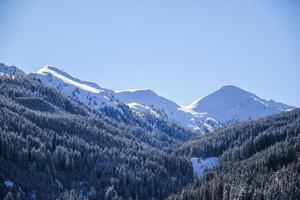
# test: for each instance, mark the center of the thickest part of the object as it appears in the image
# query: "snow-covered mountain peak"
(49, 68)
(231, 88)
(232, 92)
(65, 77)
(88, 93)
(146, 97)
(231, 103)
(227, 93)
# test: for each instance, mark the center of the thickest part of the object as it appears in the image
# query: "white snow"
(47, 69)
(202, 164)
(139, 100)
(139, 108)
(8, 184)
(231, 103)
(228, 104)
(146, 98)
(132, 90)
(86, 92)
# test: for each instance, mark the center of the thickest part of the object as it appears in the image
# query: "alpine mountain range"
(227, 105)
(68, 139)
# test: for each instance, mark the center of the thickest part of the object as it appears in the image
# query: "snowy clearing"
(201, 164)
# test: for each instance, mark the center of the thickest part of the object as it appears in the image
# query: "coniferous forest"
(149, 100)
(53, 147)
(259, 160)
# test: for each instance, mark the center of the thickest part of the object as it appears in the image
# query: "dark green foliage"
(52, 147)
(259, 160)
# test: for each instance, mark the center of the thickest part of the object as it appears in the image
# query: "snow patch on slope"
(140, 109)
(202, 164)
(8, 184)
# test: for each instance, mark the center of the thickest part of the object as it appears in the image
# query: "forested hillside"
(104, 100)
(53, 147)
(259, 160)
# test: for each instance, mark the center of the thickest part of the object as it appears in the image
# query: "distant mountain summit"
(169, 108)
(231, 103)
(150, 99)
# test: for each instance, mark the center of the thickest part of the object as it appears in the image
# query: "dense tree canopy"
(52, 146)
(259, 160)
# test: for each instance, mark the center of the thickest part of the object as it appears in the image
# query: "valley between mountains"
(65, 138)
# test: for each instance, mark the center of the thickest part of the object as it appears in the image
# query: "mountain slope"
(143, 103)
(258, 160)
(169, 108)
(52, 146)
(227, 105)
(161, 133)
(86, 92)
(230, 104)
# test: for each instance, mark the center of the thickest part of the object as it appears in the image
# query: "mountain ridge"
(141, 101)
(231, 103)
(228, 104)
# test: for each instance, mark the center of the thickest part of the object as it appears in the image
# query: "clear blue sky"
(183, 50)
